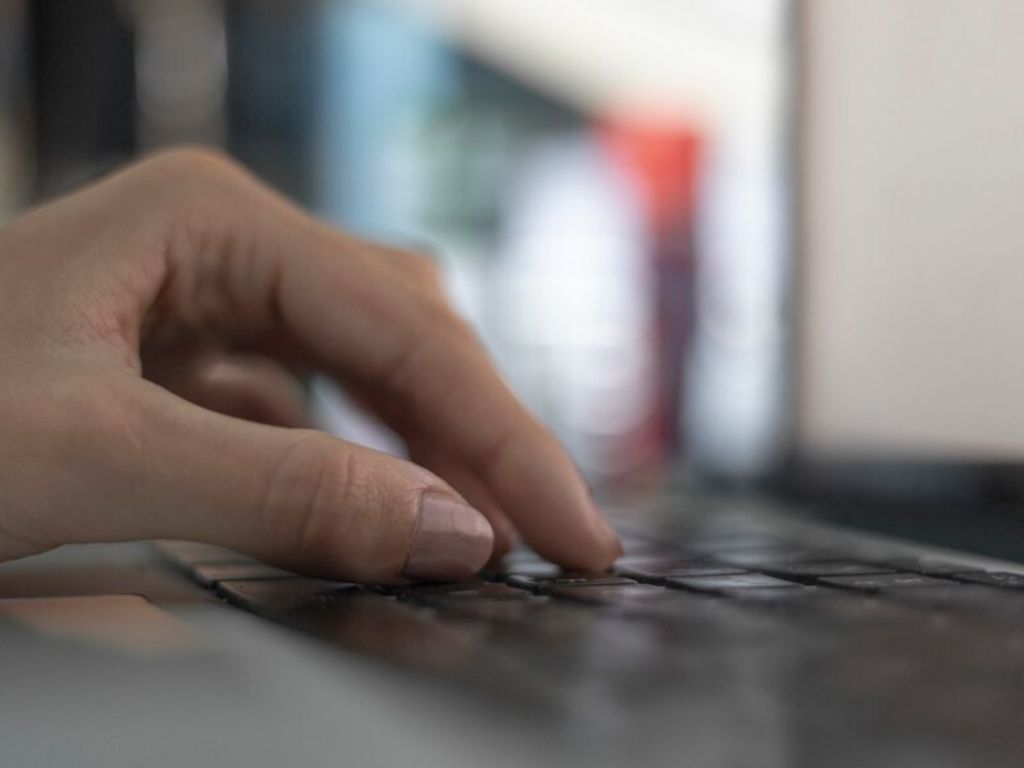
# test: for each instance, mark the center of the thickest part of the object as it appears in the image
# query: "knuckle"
(187, 181)
(189, 162)
(437, 316)
(453, 329)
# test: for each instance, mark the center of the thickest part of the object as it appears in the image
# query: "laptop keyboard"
(865, 651)
(650, 577)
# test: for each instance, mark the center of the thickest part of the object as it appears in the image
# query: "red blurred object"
(662, 164)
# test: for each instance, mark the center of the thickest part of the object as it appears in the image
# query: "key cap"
(927, 566)
(567, 579)
(826, 568)
(538, 568)
(609, 594)
(727, 583)
(659, 570)
(279, 596)
(635, 601)
(992, 578)
(519, 612)
(209, 574)
(400, 632)
(788, 593)
(885, 581)
(478, 589)
(191, 552)
(757, 558)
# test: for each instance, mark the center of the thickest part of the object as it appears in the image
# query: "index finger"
(429, 374)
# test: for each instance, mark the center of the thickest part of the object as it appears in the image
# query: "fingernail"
(452, 540)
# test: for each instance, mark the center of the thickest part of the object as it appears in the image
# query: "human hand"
(148, 325)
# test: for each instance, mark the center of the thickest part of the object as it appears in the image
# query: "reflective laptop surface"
(735, 638)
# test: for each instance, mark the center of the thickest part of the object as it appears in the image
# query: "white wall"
(914, 227)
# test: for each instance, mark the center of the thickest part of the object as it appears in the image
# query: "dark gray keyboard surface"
(906, 652)
(650, 573)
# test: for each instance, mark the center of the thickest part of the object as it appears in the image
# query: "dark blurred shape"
(663, 165)
(275, 62)
(13, 107)
(82, 91)
(110, 79)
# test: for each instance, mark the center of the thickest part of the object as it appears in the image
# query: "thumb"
(296, 498)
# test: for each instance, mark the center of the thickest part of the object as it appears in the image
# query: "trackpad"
(126, 623)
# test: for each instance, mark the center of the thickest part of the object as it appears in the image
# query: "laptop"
(863, 606)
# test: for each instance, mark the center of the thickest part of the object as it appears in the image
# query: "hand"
(150, 322)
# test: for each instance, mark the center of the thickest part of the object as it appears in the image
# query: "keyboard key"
(567, 579)
(885, 581)
(927, 566)
(486, 601)
(730, 582)
(659, 570)
(617, 594)
(992, 578)
(209, 574)
(813, 568)
(474, 590)
(278, 596)
(191, 552)
(401, 632)
(787, 593)
(532, 568)
(757, 558)
(642, 601)
(523, 611)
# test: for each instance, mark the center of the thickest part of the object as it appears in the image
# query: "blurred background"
(603, 181)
